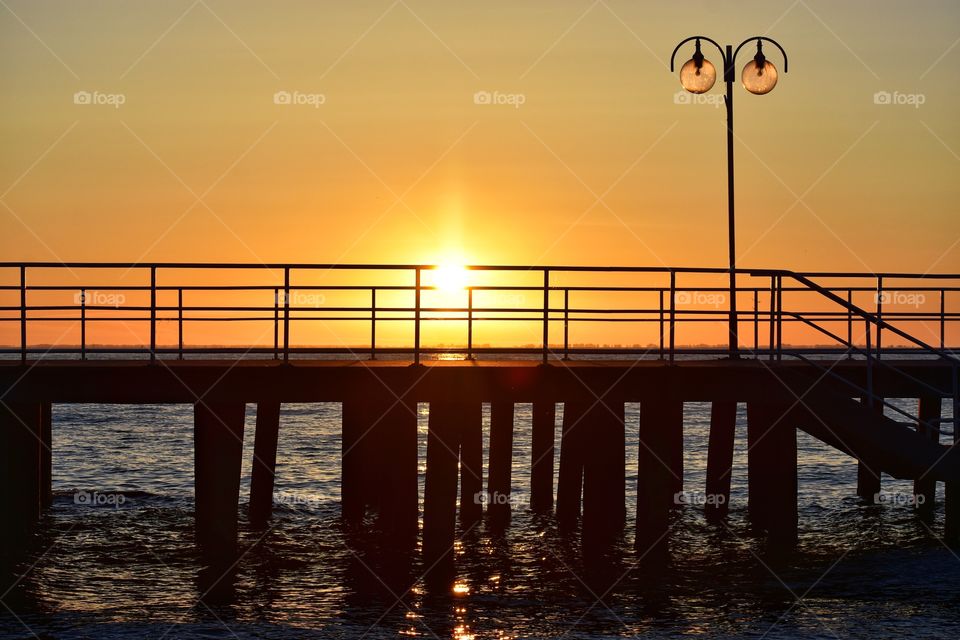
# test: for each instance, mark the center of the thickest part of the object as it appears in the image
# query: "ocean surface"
(114, 557)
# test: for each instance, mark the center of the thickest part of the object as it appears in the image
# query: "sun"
(450, 277)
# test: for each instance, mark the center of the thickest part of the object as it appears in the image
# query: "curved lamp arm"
(723, 56)
(758, 38)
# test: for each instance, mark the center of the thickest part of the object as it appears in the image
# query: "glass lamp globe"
(698, 78)
(759, 76)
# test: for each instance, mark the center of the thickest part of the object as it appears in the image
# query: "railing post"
(373, 323)
(153, 313)
(943, 322)
(180, 323)
(866, 323)
(546, 314)
(286, 314)
(566, 324)
(276, 324)
(469, 323)
(779, 317)
(416, 319)
(773, 299)
(879, 312)
(673, 303)
(850, 324)
(661, 324)
(23, 313)
(756, 321)
(83, 324)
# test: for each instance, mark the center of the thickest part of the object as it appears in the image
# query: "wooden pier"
(836, 393)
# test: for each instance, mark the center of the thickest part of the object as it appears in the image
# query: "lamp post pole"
(760, 77)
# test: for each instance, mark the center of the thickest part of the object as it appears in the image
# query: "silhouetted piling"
(573, 442)
(501, 463)
(440, 487)
(471, 464)
(925, 488)
(264, 462)
(357, 423)
(660, 422)
(723, 424)
(772, 473)
(604, 476)
(952, 494)
(397, 467)
(541, 468)
(21, 457)
(46, 454)
(868, 480)
(218, 447)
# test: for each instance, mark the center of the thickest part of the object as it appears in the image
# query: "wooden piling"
(264, 462)
(868, 480)
(356, 427)
(440, 486)
(604, 476)
(925, 488)
(541, 468)
(46, 454)
(723, 424)
(572, 449)
(951, 532)
(660, 420)
(218, 448)
(772, 473)
(398, 514)
(501, 463)
(20, 463)
(471, 464)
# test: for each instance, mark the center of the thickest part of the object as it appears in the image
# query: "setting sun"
(450, 277)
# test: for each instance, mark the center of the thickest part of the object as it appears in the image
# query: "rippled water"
(129, 570)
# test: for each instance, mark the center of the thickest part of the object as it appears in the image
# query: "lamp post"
(759, 76)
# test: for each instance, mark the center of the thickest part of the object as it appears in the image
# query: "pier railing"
(667, 311)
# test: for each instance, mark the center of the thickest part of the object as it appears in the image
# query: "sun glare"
(450, 277)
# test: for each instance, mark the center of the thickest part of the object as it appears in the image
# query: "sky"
(422, 131)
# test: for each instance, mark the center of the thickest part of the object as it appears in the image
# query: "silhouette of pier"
(836, 391)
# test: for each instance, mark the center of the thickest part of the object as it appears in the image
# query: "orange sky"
(589, 160)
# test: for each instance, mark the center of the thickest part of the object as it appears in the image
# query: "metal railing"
(567, 298)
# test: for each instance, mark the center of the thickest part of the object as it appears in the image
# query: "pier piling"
(218, 448)
(772, 473)
(925, 488)
(264, 462)
(542, 454)
(604, 476)
(471, 463)
(21, 455)
(501, 463)
(440, 485)
(46, 454)
(723, 423)
(868, 480)
(572, 447)
(397, 442)
(660, 421)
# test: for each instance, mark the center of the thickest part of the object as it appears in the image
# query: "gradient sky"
(400, 164)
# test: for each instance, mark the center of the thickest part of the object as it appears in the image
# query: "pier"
(868, 350)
